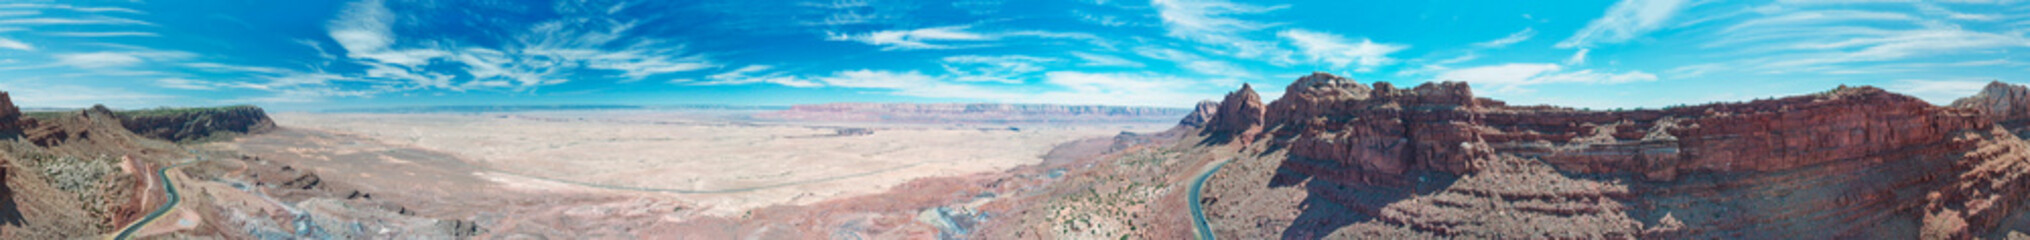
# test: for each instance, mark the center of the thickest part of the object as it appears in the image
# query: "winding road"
(168, 187)
(1197, 208)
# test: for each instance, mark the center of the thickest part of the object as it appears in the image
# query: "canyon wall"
(188, 124)
(1851, 161)
(80, 174)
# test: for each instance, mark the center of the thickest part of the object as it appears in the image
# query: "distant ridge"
(985, 113)
(524, 108)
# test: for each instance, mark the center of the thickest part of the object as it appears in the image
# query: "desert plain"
(718, 162)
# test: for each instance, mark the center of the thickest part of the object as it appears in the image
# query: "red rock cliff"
(1853, 161)
(1239, 117)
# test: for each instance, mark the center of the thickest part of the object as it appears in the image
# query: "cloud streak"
(1364, 54)
(1624, 21)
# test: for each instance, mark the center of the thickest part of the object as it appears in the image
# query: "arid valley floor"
(1330, 159)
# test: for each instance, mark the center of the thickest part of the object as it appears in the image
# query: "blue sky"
(307, 55)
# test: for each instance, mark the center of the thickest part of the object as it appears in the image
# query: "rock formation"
(1433, 160)
(1239, 117)
(179, 125)
(978, 113)
(1200, 115)
(80, 174)
(2003, 103)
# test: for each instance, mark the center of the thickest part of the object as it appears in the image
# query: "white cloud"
(364, 30)
(1098, 60)
(1217, 68)
(1194, 62)
(1578, 58)
(98, 20)
(102, 34)
(1364, 54)
(864, 78)
(948, 37)
(915, 38)
(68, 8)
(1938, 91)
(186, 84)
(1003, 69)
(1624, 21)
(16, 45)
(1511, 39)
(1074, 88)
(217, 67)
(1200, 19)
(97, 60)
(751, 74)
(1513, 76)
(61, 94)
(1212, 22)
(545, 53)
(1588, 76)
(1934, 9)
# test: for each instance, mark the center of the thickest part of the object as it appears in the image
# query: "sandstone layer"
(197, 123)
(1340, 158)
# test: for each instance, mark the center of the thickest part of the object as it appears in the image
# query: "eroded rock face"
(1239, 117)
(180, 125)
(2006, 104)
(1200, 115)
(1853, 161)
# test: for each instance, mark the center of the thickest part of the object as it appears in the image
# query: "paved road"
(1198, 211)
(173, 200)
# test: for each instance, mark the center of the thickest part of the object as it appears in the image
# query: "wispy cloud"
(1624, 21)
(67, 7)
(1215, 22)
(915, 39)
(1071, 87)
(15, 44)
(750, 74)
(1938, 91)
(1341, 52)
(1512, 77)
(949, 37)
(1809, 38)
(1195, 63)
(1511, 39)
(102, 34)
(95, 20)
(185, 84)
(1578, 58)
(545, 53)
(94, 60)
(1002, 69)
(1097, 60)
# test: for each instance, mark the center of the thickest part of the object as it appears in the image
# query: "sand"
(727, 165)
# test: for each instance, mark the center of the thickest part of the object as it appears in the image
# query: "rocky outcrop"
(192, 124)
(978, 113)
(79, 174)
(1200, 115)
(2006, 104)
(1239, 118)
(1852, 161)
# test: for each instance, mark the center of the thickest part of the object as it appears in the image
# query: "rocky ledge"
(191, 124)
(1436, 161)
